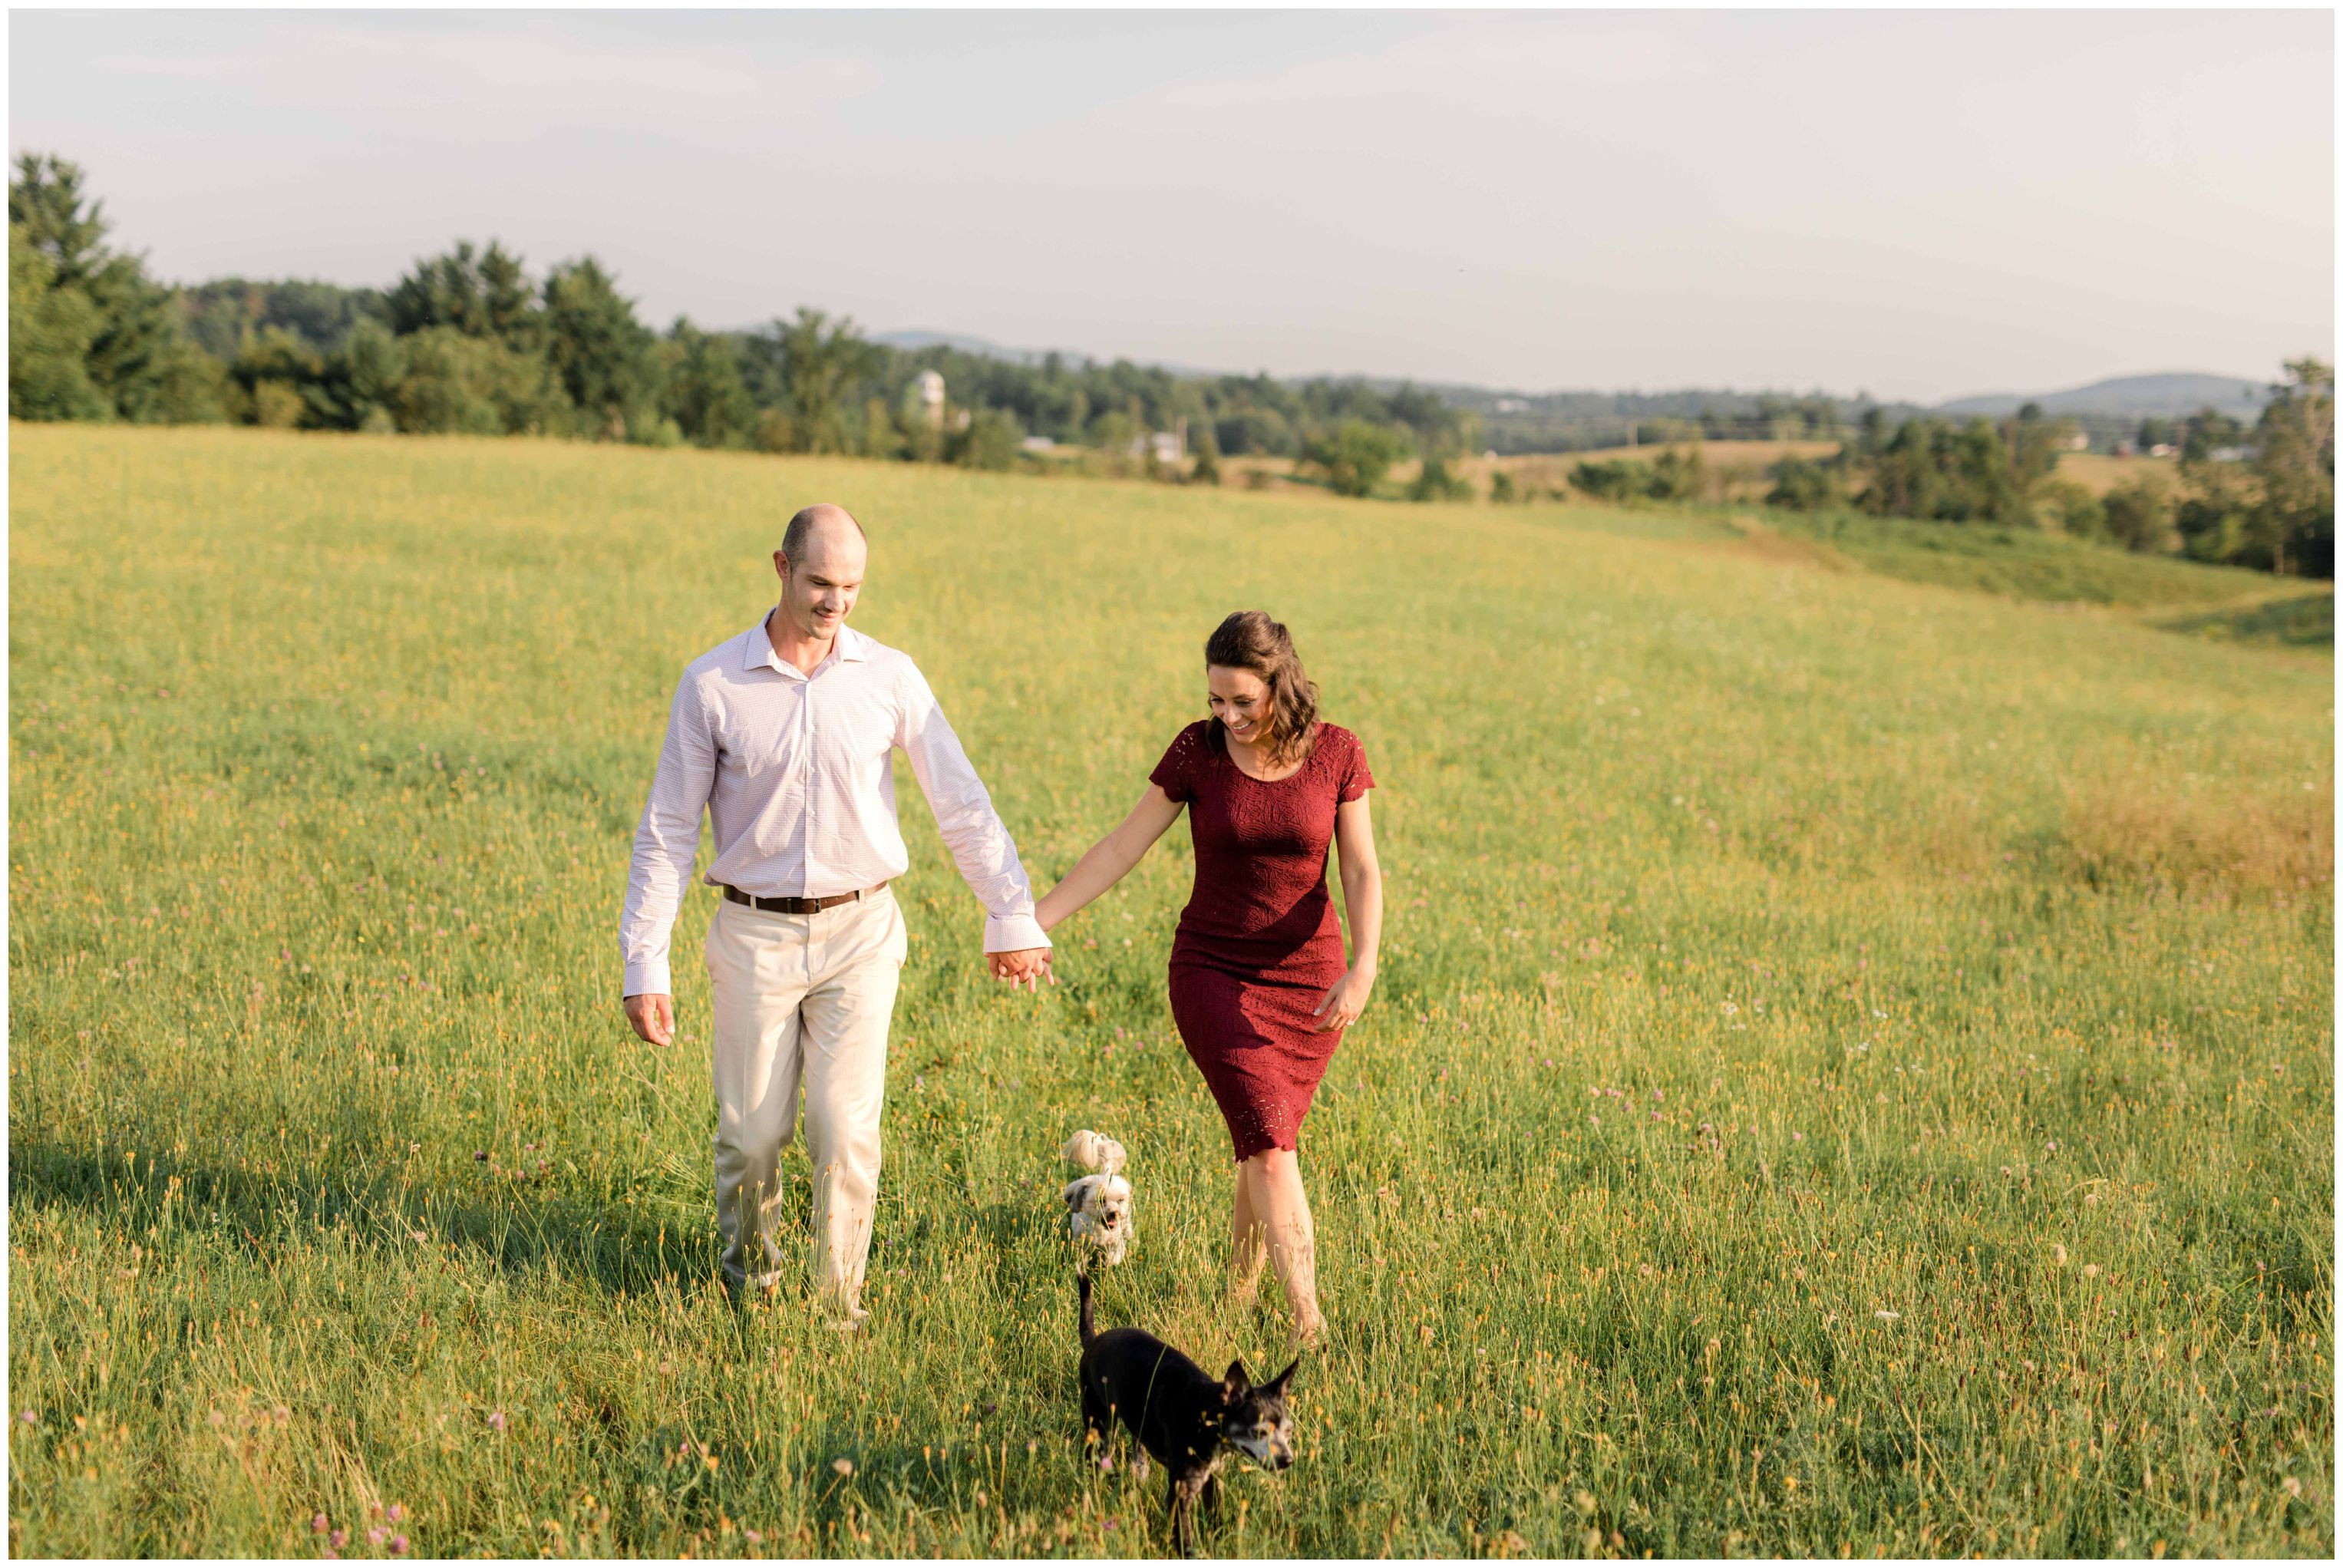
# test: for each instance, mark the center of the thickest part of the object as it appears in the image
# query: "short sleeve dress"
(1258, 945)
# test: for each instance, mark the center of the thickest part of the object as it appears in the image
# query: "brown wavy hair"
(1249, 640)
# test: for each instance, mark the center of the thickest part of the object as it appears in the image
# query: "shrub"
(1355, 458)
(1803, 484)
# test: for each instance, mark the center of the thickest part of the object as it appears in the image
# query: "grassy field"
(1852, 1070)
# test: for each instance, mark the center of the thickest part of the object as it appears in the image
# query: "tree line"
(2262, 497)
(474, 342)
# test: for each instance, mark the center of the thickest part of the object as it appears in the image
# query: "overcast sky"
(1919, 205)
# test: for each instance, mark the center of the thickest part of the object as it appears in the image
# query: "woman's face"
(1240, 699)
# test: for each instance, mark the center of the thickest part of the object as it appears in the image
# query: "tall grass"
(1853, 1068)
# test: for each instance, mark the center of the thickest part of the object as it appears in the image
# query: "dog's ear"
(1236, 1383)
(1276, 1385)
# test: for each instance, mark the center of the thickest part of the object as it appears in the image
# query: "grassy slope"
(1853, 1067)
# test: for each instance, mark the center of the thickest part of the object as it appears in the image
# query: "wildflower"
(756, 1537)
(339, 1538)
(844, 1466)
(2058, 1253)
(27, 1417)
(1884, 1316)
(374, 1535)
(2293, 1485)
(497, 1420)
(1659, 1094)
(479, 1154)
(317, 1523)
(2051, 1147)
(1798, 1138)
(398, 1546)
(2090, 1271)
(397, 1513)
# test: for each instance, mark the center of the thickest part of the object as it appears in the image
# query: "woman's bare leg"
(1282, 1210)
(1247, 1245)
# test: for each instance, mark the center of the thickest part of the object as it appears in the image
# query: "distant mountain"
(920, 337)
(2132, 397)
(912, 339)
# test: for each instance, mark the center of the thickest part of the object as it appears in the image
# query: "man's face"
(817, 593)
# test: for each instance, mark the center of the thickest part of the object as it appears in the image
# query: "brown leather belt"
(795, 906)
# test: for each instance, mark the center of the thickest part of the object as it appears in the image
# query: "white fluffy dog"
(1099, 1206)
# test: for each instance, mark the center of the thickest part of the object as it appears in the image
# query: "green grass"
(2027, 563)
(1853, 1070)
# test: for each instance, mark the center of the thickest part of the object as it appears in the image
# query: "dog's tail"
(1093, 1151)
(1083, 1290)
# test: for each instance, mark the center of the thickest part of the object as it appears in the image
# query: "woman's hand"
(1346, 1001)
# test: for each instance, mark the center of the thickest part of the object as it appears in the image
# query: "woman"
(1259, 989)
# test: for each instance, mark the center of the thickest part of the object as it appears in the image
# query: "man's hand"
(652, 1014)
(1025, 967)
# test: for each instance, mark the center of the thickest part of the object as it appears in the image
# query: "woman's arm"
(1106, 862)
(1363, 900)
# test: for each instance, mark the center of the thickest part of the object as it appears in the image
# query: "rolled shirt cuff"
(649, 977)
(1012, 933)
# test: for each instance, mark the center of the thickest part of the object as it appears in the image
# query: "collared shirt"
(796, 773)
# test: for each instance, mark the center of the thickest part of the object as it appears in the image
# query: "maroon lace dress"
(1258, 945)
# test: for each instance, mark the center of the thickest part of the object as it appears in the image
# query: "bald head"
(821, 564)
(818, 528)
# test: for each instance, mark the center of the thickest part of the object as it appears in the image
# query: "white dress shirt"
(796, 773)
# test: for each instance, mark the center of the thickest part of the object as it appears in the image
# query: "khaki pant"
(802, 1000)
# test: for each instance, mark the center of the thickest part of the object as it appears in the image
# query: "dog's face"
(1104, 1201)
(1254, 1418)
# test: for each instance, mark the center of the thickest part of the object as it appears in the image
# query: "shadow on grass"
(619, 1249)
(2297, 621)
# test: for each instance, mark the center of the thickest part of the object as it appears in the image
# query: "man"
(784, 735)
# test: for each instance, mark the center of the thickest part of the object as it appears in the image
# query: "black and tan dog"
(1178, 1414)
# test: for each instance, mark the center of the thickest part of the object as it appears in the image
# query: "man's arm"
(973, 830)
(665, 840)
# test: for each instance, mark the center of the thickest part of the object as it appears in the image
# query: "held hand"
(652, 1014)
(1345, 1002)
(1026, 966)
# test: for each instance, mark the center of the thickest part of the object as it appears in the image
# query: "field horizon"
(1851, 1071)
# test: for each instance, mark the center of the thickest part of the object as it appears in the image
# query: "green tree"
(2138, 514)
(358, 387)
(273, 372)
(2034, 443)
(2293, 459)
(1806, 485)
(457, 383)
(2207, 431)
(1502, 490)
(2062, 506)
(1206, 470)
(1613, 479)
(1356, 456)
(50, 329)
(1433, 482)
(989, 441)
(1113, 432)
(819, 362)
(1678, 475)
(706, 392)
(601, 356)
(480, 294)
(137, 355)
